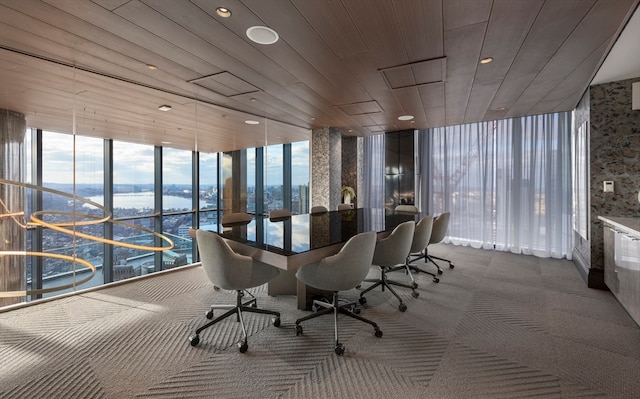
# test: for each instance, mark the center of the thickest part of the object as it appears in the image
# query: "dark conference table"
(306, 238)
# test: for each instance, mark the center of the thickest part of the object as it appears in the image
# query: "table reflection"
(306, 232)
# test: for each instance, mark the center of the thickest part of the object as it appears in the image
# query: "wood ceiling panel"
(459, 13)
(380, 31)
(461, 68)
(330, 20)
(330, 53)
(554, 24)
(308, 44)
(508, 27)
(421, 27)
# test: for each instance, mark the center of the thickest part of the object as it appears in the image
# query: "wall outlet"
(608, 186)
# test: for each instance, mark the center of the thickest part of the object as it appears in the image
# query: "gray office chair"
(231, 271)
(421, 238)
(411, 209)
(390, 252)
(318, 209)
(279, 215)
(340, 272)
(345, 207)
(236, 219)
(440, 226)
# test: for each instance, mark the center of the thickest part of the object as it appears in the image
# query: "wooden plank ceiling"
(351, 64)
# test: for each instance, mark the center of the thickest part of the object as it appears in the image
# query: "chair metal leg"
(335, 308)
(248, 306)
(386, 283)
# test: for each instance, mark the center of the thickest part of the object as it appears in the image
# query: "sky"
(133, 163)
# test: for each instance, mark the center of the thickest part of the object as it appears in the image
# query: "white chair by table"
(340, 272)
(231, 271)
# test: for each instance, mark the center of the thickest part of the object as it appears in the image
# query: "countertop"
(631, 224)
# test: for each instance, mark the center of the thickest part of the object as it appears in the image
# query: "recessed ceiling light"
(251, 122)
(405, 117)
(486, 60)
(151, 67)
(165, 108)
(165, 142)
(262, 35)
(501, 108)
(223, 12)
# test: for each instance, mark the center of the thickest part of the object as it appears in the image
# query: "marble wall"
(326, 167)
(614, 155)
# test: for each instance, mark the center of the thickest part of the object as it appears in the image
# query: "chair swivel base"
(336, 308)
(249, 306)
(386, 283)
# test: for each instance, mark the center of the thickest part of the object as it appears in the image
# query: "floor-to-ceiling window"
(273, 178)
(506, 183)
(300, 177)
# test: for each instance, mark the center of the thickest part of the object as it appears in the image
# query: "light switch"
(608, 186)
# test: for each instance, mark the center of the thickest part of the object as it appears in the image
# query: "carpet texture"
(498, 325)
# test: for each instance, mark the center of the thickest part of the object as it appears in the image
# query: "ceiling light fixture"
(164, 108)
(486, 60)
(405, 117)
(262, 35)
(223, 12)
(251, 122)
(151, 67)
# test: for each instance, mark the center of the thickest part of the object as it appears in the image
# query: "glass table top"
(306, 232)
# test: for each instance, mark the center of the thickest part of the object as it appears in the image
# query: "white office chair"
(410, 209)
(279, 215)
(340, 272)
(318, 209)
(440, 226)
(419, 244)
(231, 271)
(345, 207)
(236, 219)
(390, 252)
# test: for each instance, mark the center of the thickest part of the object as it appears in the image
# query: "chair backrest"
(440, 226)
(224, 267)
(319, 209)
(238, 218)
(407, 209)
(345, 207)
(394, 249)
(422, 234)
(279, 214)
(349, 267)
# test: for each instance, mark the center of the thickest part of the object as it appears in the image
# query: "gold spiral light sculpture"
(37, 220)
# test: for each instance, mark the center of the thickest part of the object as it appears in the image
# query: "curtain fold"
(506, 183)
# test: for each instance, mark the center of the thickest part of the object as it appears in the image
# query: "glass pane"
(300, 177)
(208, 196)
(273, 177)
(133, 166)
(129, 262)
(71, 171)
(176, 180)
(176, 227)
(251, 180)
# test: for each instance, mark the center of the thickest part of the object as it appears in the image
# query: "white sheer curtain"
(373, 171)
(506, 183)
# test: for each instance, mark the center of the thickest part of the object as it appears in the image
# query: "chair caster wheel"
(436, 280)
(339, 349)
(194, 340)
(362, 300)
(358, 286)
(356, 310)
(415, 294)
(243, 346)
(451, 265)
(276, 322)
(439, 271)
(254, 305)
(414, 285)
(402, 307)
(209, 315)
(378, 332)
(298, 330)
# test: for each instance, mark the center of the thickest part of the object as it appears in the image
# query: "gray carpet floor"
(498, 325)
